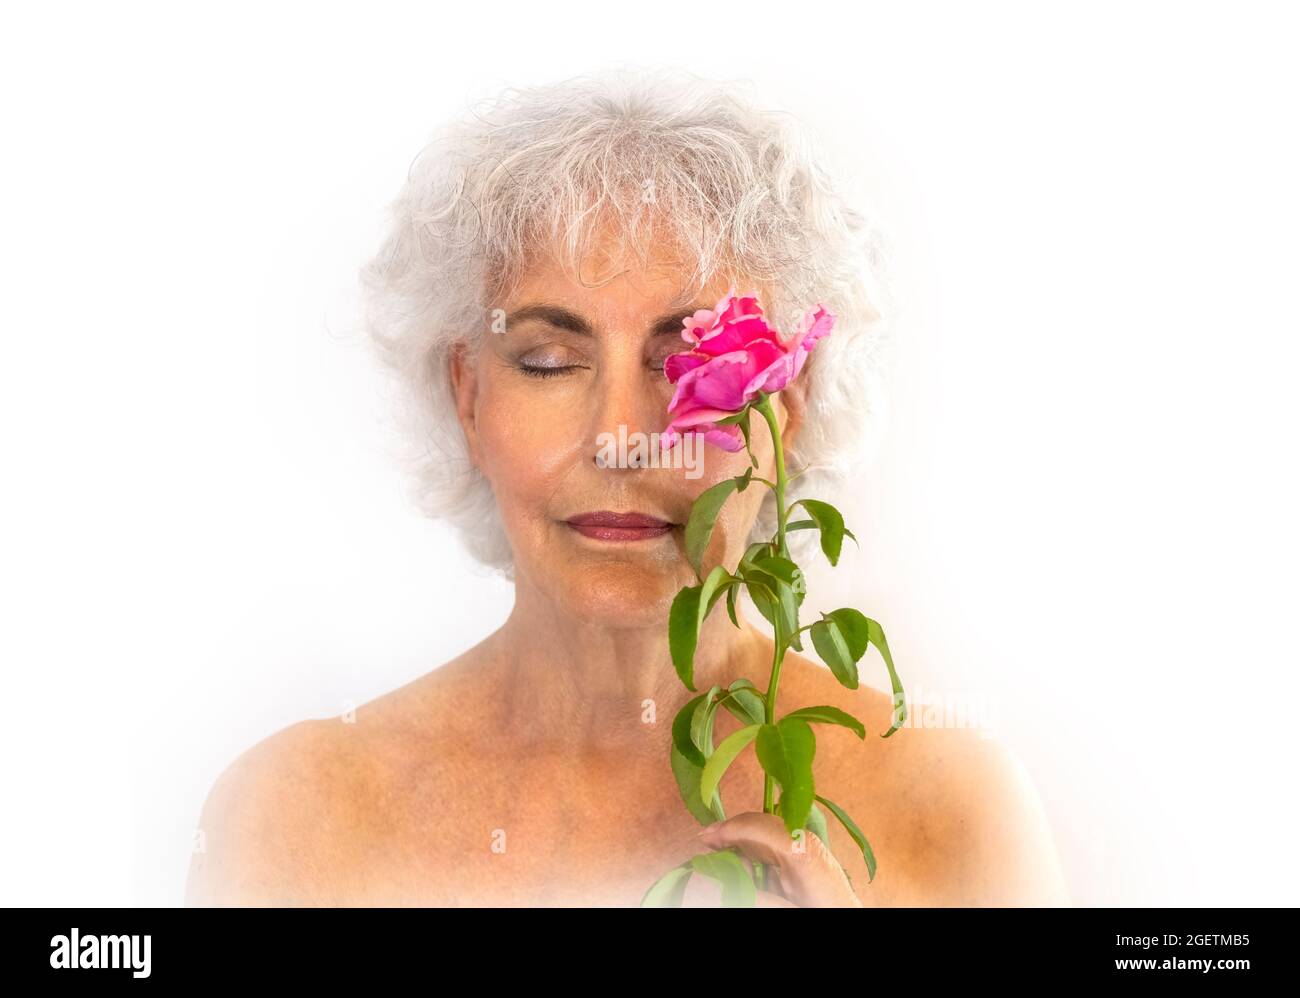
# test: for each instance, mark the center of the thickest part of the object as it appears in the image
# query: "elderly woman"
(542, 260)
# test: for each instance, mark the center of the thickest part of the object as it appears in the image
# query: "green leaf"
(702, 722)
(684, 632)
(876, 634)
(858, 632)
(722, 757)
(830, 715)
(834, 650)
(704, 514)
(757, 584)
(711, 589)
(669, 890)
(745, 703)
(686, 617)
(787, 582)
(785, 570)
(817, 824)
(856, 629)
(687, 775)
(812, 525)
(683, 732)
(773, 596)
(856, 833)
(829, 521)
(774, 564)
(786, 750)
(731, 605)
(754, 552)
(789, 615)
(736, 878)
(737, 417)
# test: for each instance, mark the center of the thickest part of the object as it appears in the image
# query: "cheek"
(524, 448)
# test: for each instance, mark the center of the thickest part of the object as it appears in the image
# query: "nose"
(626, 415)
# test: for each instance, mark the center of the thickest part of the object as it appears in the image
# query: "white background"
(1083, 512)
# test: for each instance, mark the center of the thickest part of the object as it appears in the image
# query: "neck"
(594, 689)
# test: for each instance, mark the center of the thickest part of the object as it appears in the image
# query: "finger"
(809, 873)
(760, 836)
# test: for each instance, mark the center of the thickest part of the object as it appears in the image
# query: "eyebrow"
(563, 318)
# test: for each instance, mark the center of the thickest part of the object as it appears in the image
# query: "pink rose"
(734, 356)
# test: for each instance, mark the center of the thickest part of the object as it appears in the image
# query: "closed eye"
(548, 371)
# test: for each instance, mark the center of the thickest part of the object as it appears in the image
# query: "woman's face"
(535, 398)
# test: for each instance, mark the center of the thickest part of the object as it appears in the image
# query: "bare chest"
(511, 831)
(514, 832)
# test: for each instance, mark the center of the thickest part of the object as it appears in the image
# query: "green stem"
(769, 707)
(778, 649)
(769, 716)
(765, 408)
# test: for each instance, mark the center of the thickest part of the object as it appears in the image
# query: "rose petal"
(720, 384)
(677, 364)
(736, 336)
(727, 437)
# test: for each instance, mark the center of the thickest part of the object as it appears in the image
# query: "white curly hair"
(742, 189)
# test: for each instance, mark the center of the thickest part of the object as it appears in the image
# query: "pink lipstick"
(607, 525)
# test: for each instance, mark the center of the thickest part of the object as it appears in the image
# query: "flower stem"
(764, 406)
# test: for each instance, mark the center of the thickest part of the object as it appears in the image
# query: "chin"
(626, 593)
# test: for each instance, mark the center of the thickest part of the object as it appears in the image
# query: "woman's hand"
(804, 871)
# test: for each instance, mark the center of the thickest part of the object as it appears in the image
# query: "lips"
(607, 525)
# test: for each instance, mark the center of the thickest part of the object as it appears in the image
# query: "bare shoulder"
(951, 813)
(982, 835)
(269, 826)
(306, 815)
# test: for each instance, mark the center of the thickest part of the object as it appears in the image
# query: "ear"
(464, 387)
